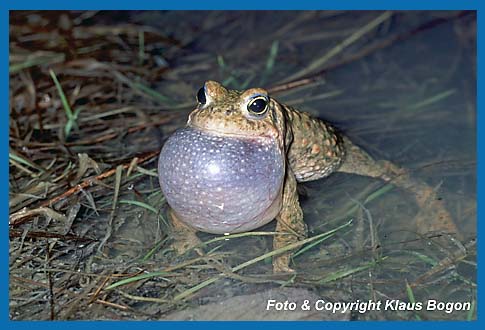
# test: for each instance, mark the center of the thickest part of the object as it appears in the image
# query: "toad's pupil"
(257, 106)
(201, 96)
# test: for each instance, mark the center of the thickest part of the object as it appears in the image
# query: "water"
(412, 101)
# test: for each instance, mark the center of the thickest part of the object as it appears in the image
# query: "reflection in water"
(412, 103)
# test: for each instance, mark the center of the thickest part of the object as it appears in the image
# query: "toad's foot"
(184, 237)
(281, 264)
(433, 215)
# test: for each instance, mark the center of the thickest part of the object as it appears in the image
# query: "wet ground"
(87, 211)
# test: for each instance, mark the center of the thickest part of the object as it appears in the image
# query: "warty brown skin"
(313, 149)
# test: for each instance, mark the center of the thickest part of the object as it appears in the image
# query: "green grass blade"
(65, 103)
(347, 272)
(431, 100)
(273, 52)
(36, 60)
(153, 250)
(22, 160)
(140, 204)
(411, 298)
(71, 116)
(471, 312)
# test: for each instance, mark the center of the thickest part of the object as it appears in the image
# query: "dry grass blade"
(117, 184)
(318, 63)
(366, 51)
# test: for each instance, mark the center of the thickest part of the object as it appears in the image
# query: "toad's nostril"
(230, 111)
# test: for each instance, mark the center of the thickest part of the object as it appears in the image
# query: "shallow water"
(412, 101)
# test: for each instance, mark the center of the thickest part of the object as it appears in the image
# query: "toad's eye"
(201, 96)
(258, 105)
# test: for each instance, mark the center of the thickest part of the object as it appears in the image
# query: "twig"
(20, 216)
(454, 257)
(86, 183)
(43, 234)
(50, 282)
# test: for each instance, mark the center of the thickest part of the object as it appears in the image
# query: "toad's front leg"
(290, 227)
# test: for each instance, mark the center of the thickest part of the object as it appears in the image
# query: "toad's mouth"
(230, 133)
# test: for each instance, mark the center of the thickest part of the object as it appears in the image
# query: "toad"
(236, 165)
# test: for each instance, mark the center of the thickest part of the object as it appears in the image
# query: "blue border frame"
(246, 4)
(7, 5)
